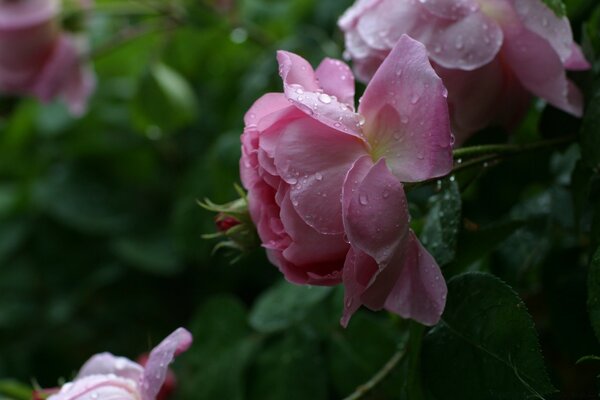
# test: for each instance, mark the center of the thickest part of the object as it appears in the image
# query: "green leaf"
(361, 350)
(283, 305)
(594, 293)
(557, 6)
(292, 368)
(442, 223)
(215, 366)
(154, 253)
(14, 390)
(165, 101)
(485, 347)
(590, 130)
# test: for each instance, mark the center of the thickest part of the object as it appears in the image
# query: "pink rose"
(324, 182)
(105, 376)
(37, 58)
(491, 54)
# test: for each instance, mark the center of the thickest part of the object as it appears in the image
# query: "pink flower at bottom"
(491, 54)
(107, 377)
(324, 181)
(38, 59)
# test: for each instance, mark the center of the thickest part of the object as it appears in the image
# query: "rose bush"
(324, 181)
(491, 54)
(105, 376)
(37, 58)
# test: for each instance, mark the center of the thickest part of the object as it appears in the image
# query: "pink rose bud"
(491, 54)
(225, 222)
(324, 181)
(168, 386)
(105, 376)
(37, 58)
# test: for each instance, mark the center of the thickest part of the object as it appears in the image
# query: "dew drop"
(386, 194)
(318, 176)
(324, 98)
(363, 199)
(361, 120)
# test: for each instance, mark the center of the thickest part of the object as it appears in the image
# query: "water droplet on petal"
(318, 176)
(363, 199)
(324, 98)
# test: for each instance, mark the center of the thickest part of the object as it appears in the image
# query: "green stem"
(389, 366)
(511, 148)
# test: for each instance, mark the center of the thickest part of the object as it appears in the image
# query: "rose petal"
(24, 13)
(351, 15)
(301, 88)
(541, 20)
(336, 78)
(161, 356)
(577, 61)
(420, 291)
(266, 105)
(406, 113)
(106, 363)
(314, 159)
(98, 387)
(309, 247)
(540, 70)
(78, 89)
(450, 9)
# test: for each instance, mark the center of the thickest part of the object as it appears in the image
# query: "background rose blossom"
(324, 181)
(105, 376)
(491, 54)
(38, 59)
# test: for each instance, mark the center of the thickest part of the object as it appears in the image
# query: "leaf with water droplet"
(485, 346)
(442, 223)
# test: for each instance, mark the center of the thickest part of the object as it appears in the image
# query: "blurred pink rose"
(37, 58)
(491, 54)
(324, 182)
(105, 376)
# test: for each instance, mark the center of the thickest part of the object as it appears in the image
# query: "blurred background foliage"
(100, 231)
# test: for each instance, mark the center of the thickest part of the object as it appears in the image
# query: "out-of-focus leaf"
(442, 223)
(164, 101)
(13, 390)
(284, 305)
(151, 253)
(361, 350)
(214, 368)
(590, 131)
(557, 6)
(291, 368)
(485, 347)
(594, 293)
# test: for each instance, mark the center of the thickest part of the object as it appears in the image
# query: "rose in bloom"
(37, 58)
(105, 376)
(491, 54)
(324, 182)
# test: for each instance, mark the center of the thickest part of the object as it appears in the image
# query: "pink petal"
(336, 78)
(420, 291)
(270, 103)
(577, 61)
(58, 69)
(375, 210)
(490, 94)
(309, 247)
(541, 20)
(376, 220)
(541, 71)
(351, 15)
(101, 387)
(466, 43)
(406, 113)
(301, 88)
(78, 89)
(161, 356)
(450, 9)
(106, 363)
(25, 13)
(314, 159)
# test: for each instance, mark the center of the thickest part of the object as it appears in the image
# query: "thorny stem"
(487, 155)
(389, 366)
